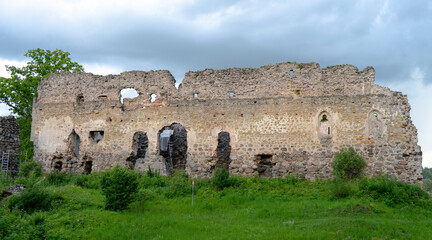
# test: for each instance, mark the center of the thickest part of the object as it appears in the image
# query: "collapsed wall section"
(275, 123)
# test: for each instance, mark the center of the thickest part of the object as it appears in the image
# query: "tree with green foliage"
(347, 164)
(19, 90)
(119, 185)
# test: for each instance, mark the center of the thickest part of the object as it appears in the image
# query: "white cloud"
(101, 69)
(8, 62)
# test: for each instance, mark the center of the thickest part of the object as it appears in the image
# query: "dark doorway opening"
(173, 146)
(223, 151)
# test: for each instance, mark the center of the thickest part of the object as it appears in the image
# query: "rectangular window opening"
(96, 136)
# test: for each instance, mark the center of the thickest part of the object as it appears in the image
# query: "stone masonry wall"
(9, 141)
(288, 118)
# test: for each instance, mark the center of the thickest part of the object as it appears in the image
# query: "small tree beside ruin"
(348, 164)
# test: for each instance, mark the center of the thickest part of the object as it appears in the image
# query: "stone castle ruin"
(9, 144)
(273, 121)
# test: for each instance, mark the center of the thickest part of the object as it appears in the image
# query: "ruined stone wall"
(282, 119)
(9, 141)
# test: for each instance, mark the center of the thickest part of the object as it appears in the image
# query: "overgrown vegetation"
(64, 206)
(347, 164)
(221, 178)
(119, 185)
(427, 179)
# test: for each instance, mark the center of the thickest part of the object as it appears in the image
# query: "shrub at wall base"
(119, 185)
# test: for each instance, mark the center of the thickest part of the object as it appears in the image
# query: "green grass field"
(252, 208)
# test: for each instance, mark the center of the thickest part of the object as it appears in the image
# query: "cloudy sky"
(112, 36)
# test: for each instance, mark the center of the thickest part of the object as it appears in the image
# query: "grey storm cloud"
(392, 36)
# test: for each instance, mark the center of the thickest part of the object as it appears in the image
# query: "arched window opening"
(375, 125)
(173, 146)
(195, 95)
(324, 118)
(128, 93)
(74, 144)
(153, 97)
(223, 151)
(324, 126)
(231, 94)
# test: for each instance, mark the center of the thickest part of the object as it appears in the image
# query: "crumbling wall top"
(289, 79)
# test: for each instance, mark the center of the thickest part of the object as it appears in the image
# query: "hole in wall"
(58, 165)
(324, 118)
(173, 146)
(103, 97)
(153, 97)
(195, 95)
(74, 144)
(80, 98)
(231, 94)
(264, 165)
(298, 92)
(223, 151)
(96, 136)
(139, 148)
(291, 73)
(88, 165)
(128, 93)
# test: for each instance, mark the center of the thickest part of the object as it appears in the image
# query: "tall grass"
(249, 208)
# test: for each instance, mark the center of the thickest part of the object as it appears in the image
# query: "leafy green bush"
(178, 185)
(91, 181)
(342, 189)
(427, 185)
(31, 200)
(391, 191)
(57, 178)
(119, 185)
(347, 164)
(427, 173)
(30, 167)
(221, 178)
(152, 179)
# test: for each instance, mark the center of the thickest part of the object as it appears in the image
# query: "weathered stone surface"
(9, 141)
(274, 116)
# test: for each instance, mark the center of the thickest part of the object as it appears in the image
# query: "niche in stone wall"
(88, 167)
(375, 126)
(74, 144)
(264, 165)
(223, 151)
(173, 146)
(324, 126)
(58, 165)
